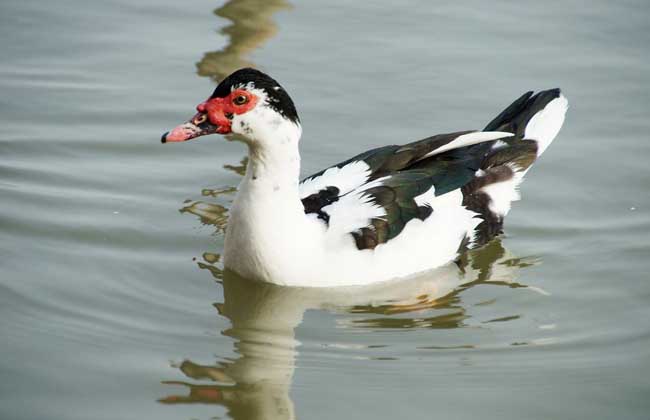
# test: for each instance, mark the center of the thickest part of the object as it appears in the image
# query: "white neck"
(272, 142)
(274, 163)
(267, 223)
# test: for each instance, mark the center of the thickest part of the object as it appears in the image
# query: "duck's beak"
(199, 125)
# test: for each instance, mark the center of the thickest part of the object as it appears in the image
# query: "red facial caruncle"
(221, 110)
(217, 113)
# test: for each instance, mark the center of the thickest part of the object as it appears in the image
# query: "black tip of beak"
(163, 139)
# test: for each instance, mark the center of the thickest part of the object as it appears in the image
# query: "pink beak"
(183, 132)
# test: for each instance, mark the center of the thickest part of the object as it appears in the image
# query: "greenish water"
(112, 301)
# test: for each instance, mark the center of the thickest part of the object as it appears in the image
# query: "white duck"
(387, 213)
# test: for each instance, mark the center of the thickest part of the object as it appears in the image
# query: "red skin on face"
(217, 108)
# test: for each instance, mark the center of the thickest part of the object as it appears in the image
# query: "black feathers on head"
(278, 98)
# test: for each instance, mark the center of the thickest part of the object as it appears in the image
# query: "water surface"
(113, 304)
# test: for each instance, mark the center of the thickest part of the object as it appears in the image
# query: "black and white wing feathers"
(372, 196)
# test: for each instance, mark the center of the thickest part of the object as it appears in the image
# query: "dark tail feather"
(505, 159)
(515, 117)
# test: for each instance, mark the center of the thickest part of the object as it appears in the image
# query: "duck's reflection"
(215, 212)
(252, 24)
(264, 318)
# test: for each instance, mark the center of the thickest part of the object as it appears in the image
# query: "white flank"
(354, 210)
(468, 140)
(545, 124)
(351, 213)
(503, 193)
(346, 179)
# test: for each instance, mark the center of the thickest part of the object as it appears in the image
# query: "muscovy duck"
(387, 213)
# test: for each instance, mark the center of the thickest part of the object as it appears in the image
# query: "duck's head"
(247, 103)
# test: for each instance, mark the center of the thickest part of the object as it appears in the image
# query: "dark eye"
(240, 100)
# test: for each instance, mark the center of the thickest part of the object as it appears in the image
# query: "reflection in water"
(238, 169)
(264, 317)
(211, 213)
(252, 24)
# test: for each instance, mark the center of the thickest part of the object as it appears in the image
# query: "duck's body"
(388, 213)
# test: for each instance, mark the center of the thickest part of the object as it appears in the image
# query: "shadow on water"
(252, 24)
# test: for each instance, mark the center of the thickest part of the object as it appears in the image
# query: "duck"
(392, 212)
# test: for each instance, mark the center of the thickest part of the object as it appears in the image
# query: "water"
(112, 301)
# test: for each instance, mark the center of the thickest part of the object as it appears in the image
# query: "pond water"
(113, 304)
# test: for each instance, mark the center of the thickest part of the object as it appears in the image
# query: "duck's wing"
(354, 172)
(375, 194)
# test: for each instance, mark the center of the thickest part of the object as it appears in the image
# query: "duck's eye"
(240, 100)
(200, 119)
